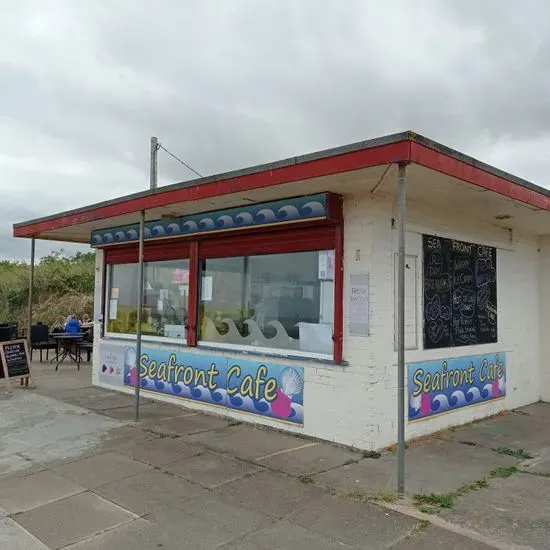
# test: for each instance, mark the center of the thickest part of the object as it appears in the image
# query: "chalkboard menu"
(460, 293)
(15, 358)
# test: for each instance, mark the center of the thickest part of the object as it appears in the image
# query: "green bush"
(63, 285)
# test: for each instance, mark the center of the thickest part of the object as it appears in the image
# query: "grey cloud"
(248, 82)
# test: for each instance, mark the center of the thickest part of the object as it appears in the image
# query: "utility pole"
(153, 164)
(139, 316)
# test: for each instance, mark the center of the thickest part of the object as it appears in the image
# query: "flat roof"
(407, 147)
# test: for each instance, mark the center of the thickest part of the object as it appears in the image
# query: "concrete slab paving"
(435, 467)
(14, 537)
(284, 535)
(72, 519)
(211, 469)
(358, 524)
(247, 442)
(513, 510)
(196, 531)
(100, 469)
(147, 412)
(159, 451)
(135, 535)
(539, 410)
(513, 431)
(229, 518)
(435, 538)
(186, 423)
(148, 491)
(271, 493)
(310, 458)
(18, 494)
(36, 429)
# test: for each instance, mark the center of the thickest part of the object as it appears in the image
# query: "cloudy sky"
(231, 83)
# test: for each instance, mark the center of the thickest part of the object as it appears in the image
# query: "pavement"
(76, 472)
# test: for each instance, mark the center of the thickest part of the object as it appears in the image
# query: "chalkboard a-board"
(460, 293)
(15, 359)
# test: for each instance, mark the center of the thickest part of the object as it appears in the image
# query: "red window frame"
(306, 237)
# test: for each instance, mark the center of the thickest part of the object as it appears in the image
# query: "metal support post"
(139, 309)
(31, 293)
(401, 330)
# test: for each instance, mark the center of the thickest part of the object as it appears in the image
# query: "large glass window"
(278, 301)
(165, 298)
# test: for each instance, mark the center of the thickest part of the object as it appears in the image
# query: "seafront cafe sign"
(267, 389)
(441, 386)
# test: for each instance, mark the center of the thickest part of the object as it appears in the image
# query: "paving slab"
(186, 423)
(149, 491)
(72, 519)
(435, 467)
(147, 412)
(211, 469)
(513, 431)
(513, 510)
(358, 524)
(229, 518)
(14, 537)
(284, 535)
(159, 451)
(139, 534)
(103, 402)
(207, 524)
(271, 493)
(91, 472)
(119, 437)
(22, 493)
(539, 410)
(435, 538)
(247, 442)
(310, 458)
(36, 430)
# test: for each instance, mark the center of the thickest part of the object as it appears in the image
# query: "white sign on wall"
(359, 305)
(111, 365)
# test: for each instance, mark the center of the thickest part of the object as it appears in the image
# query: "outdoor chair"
(87, 345)
(5, 333)
(40, 340)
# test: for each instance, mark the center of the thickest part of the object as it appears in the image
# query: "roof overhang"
(437, 175)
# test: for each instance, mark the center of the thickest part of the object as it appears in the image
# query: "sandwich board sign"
(15, 359)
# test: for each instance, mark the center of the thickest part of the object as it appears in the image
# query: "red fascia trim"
(173, 249)
(430, 158)
(355, 160)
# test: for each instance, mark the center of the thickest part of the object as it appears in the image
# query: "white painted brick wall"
(356, 405)
(544, 315)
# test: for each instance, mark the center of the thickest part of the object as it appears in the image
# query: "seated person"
(86, 321)
(72, 325)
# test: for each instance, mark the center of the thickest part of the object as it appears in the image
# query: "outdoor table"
(66, 341)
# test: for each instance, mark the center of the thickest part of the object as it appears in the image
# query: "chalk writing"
(459, 293)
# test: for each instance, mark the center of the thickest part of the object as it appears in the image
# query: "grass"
(472, 486)
(308, 480)
(371, 454)
(380, 496)
(516, 453)
(435, 500)
(503, 472)
(433, 503)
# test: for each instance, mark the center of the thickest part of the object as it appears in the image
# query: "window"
(460, 293)
(165, 298)
(276, 301)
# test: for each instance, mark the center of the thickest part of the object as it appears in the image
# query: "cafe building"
(271, 294)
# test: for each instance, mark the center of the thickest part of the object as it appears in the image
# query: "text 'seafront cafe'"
(270, 293)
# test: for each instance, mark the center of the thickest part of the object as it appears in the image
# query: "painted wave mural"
(270, 390)
(276, 212)
(436, 387)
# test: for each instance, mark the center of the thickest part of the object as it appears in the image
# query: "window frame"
(307, 237)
